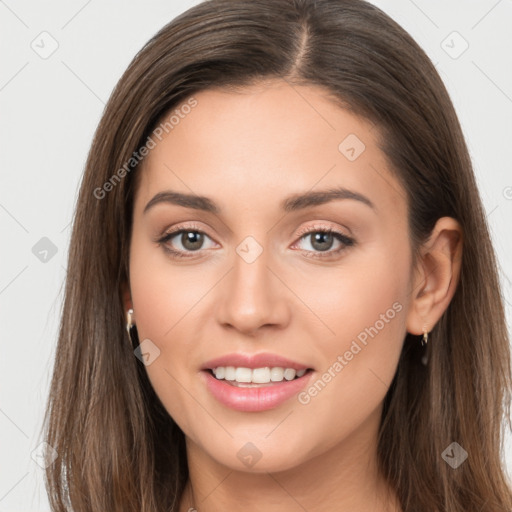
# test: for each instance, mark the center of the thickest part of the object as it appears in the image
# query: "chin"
(258, 456)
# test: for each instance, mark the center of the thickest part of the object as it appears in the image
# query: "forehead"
(251, 147)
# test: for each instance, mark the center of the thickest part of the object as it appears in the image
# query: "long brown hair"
(118, 449)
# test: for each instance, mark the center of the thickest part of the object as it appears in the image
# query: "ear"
(126, 296)
(436, 276)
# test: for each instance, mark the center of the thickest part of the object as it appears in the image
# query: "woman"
(212, 353)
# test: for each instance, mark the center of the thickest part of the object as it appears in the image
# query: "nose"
(253, 297)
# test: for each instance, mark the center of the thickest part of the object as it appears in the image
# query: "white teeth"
(261, 375)
(243, 375)
(220, 372)
(276, 374)
(256, 375)
(289, 374)
(229, 373)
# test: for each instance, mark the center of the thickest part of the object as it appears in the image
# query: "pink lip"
(253, 361)
(262, 398)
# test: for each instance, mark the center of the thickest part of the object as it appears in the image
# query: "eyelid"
(191, 226)
(320, 227)
(183, 226)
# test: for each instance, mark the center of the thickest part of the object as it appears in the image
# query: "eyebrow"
(293, 203)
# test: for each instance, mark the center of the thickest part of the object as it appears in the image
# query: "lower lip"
(254, 399)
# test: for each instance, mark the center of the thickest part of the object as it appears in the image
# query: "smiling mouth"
(256, 377)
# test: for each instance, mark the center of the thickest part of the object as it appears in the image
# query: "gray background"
(50, 106)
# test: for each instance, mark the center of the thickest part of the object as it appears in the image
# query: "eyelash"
(344, 239)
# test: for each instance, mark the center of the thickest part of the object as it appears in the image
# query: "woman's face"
(254, 179)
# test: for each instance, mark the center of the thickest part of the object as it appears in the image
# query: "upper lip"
(253, 361)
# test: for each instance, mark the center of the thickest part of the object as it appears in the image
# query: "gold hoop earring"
(424, 340)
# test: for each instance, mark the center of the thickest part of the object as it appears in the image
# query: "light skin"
(249, 151)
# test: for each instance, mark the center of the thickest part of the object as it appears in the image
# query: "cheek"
(162, 295)
(366, 291)
(363, 307)
(162, 292)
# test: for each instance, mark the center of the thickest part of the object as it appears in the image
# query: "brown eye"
(321, 240)
(192, 240)
(182, 243)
